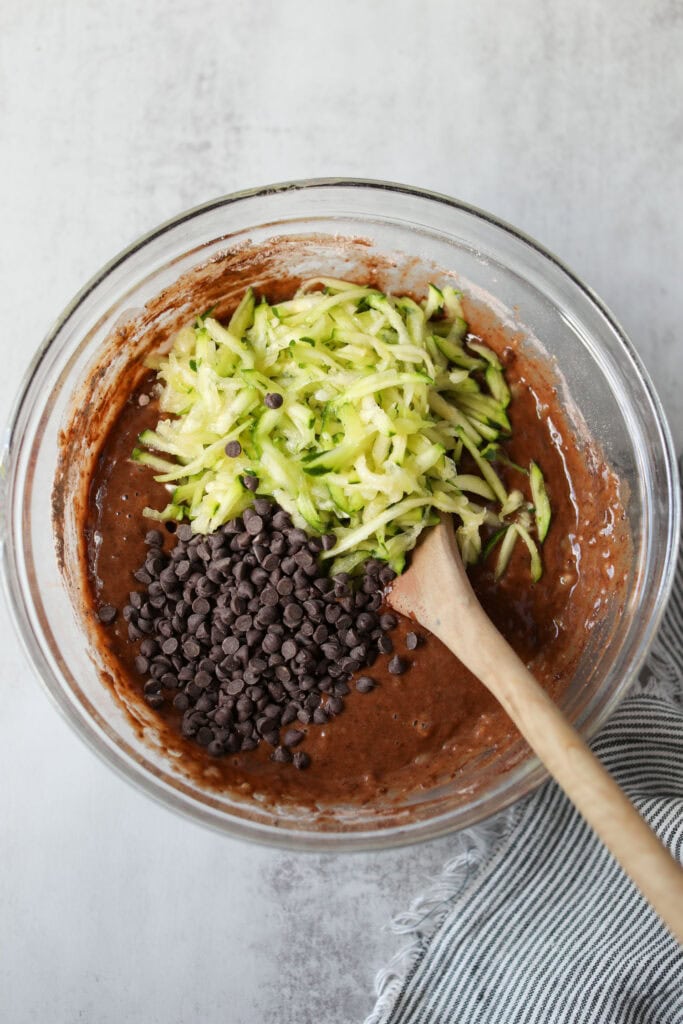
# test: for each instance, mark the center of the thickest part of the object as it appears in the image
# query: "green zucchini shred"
(381, 399)
(539, 497)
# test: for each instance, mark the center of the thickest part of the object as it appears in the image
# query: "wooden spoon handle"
(592, 790)
(457, 618)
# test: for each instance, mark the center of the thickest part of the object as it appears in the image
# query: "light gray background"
(116, 115)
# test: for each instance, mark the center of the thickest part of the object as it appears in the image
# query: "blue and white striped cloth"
(532, 921)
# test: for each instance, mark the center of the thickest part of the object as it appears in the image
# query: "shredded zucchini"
(353, 410)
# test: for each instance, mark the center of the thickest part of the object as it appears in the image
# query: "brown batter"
(419, 729)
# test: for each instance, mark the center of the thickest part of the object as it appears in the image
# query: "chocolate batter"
(419, 729)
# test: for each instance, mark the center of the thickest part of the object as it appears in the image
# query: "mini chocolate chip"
(250, 482)
(320, 634)
(292, 615)
(259, 577)
(253, 525)
(204, 736)
(315, 609)
(281, 755)
(206, 587)
(397, 665)
(413, 640)
(331, 649)
(385, 645)
(301, 760)
(333, 613)
(266, 616)
(364, 684)
(351, 638)
(200, 606)
(271, 643)
(388, 621)
(106, 614)
(253, 636)
(233, 449)
(230, 645)
(289, 650)
(276, 690)
(292, 737)
(271, 562)
(154, 564)
(282, 520)
(273, 400)
(366, 622)
(289, 714)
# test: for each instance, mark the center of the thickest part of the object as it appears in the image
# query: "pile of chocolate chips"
(246, 635)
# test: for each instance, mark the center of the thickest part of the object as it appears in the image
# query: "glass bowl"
(402, 236)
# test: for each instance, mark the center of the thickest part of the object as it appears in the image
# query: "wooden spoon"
(436, 592)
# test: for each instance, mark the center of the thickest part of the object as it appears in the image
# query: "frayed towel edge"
(475, 851)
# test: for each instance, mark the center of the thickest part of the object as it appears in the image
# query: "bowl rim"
(234, 826)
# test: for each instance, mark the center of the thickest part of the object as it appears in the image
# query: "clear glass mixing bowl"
(335, 227)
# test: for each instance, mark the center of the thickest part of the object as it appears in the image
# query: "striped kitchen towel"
(532, 921)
